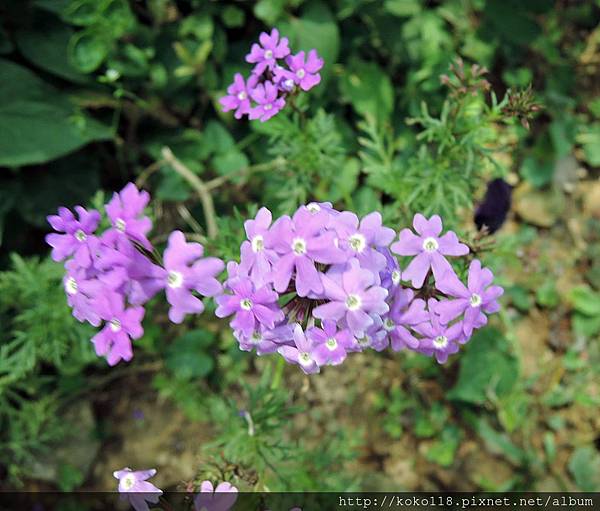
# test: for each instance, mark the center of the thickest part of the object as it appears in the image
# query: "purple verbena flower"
(428, 247)
(135, 488)
(256, 257)
(268, 101)
(304, 71)
(264, 55)
(265, 340)
(301, 242)
(185, 271)
(81, 291)
(77, 234)
(405, 312)
(238, 95)
(439, 339)
(121, 325)
(475, 299)
(353, 297)
(251, 306)
(362, 238)
(330, 343)
(221, 498)
(125, 211)
(374, 337)
(302, 353)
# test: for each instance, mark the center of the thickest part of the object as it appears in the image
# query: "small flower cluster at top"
(323, 283)
(110, 276)
(263, 93)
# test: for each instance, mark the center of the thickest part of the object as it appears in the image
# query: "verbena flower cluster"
(276, 74)
(323, 283)
(312, 287)
(110, 276)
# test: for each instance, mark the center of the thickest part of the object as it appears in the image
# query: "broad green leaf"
(584, 465)
(402, 8)
(499, 443)
(590, 141)
(88, 49)
(486, 369)
(46, 47)
(187, 357)
(585, 301)
(269, 11)
(38, 122)
(442, 451)
(369, 89)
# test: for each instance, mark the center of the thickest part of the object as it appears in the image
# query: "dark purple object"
(492, 212)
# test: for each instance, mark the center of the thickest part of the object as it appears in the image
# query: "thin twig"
(199, 186)
(259, 167)
(147, 172)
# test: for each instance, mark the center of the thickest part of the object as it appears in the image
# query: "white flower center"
(365, 340)
(289, 84)
(313, 207)
(268, 54)
(389, 325)
(430, 244)
(353, 302)
(115, 325)
(120, 224)
(440, 342)
(357, 242)
(128, 481)
(396, 277)
(258, 243)
(305, 358)
(242, 96)
(80, 235)
(299, 246)
(268, 107)
(331, 344)
(246, 304)
(71, 286)
(300, 73)
(174, 279)
(475, 300)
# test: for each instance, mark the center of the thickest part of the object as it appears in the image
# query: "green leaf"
(69, 477)
(538, 172)
(38, 122)
(402, 8)
(499, 443)
(520, 297)
(585, 300)
(230, 162)
(187, 357)
(547, 295)
(486, 369)
(584, 465)
(88, 49)
(46, 47)
(233, 16)
(590, 142)
(369, 89)
(269, 11)
(442, 451)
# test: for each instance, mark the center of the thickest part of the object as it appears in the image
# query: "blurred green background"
(91, 91)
